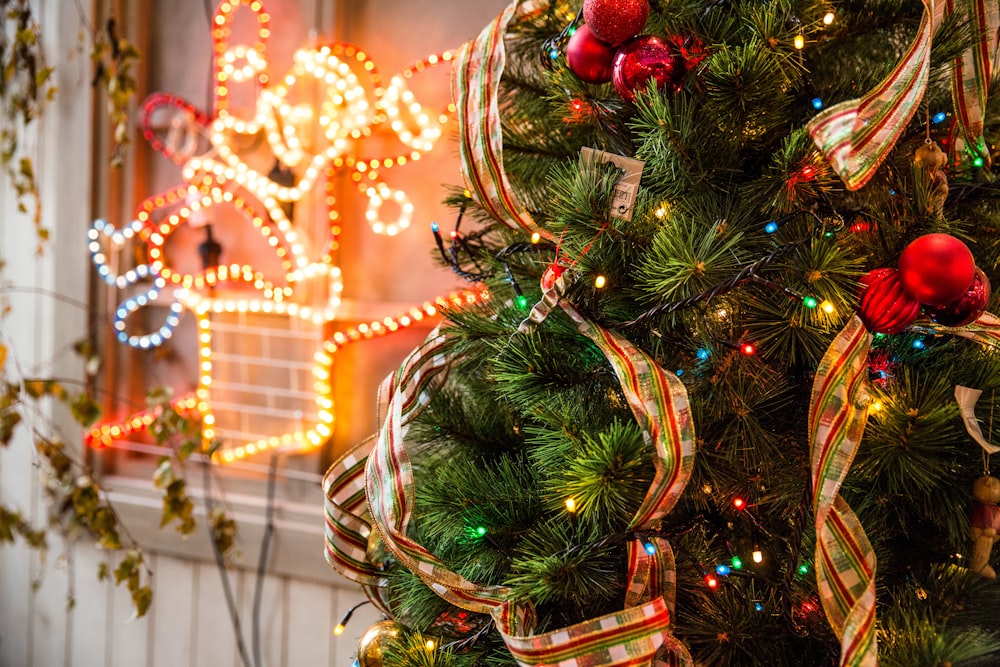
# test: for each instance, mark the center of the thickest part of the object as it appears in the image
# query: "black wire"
(265, 551)
(556, 42)
(220, 564)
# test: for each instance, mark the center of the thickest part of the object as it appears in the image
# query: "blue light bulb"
(771, 227)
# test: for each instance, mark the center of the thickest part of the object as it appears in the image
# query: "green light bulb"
(737, 563)
(804, 568)
(810, 302)
(522, 301)
(481, 531)
(978, 162)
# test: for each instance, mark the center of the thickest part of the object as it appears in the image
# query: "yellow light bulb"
(600, 281)
(828, 18)
(800, 41)
(339, 630)
(827, 307)
(570, 505)
(757, 555)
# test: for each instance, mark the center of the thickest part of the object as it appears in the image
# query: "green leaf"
(84, 409)
(43, 75)
(187, 448)
(142, 597)
(128, 567)
(164, 474)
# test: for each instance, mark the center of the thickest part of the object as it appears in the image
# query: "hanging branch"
(25, 88)
(113, 57)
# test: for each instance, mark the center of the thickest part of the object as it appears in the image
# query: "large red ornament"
(884, 306)
(614, 21)
(966, 308)
(936, 269)
(647, 57)
(588, 57)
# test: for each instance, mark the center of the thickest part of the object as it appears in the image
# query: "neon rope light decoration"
(312, 121)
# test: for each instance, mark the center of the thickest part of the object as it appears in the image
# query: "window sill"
(296, 543)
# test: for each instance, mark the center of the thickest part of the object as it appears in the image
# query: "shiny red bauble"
(884, 306)
(588, 57)
(966, 308)
(551, 275)
(936, 269)
(646, 58)
(614, 21)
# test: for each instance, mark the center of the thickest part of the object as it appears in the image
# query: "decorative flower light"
(308, 124)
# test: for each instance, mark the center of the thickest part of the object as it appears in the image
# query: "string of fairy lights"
(311, 121)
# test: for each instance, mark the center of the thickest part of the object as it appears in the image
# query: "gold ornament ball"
(372, 644)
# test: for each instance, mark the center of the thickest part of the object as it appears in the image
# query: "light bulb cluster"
(322, 373)
(99, 255)
(378, 195)
(102, 435)
(310, 142)
(200, 402)
(225, 64)
(182, 135)
(414, 315)
(308, 137)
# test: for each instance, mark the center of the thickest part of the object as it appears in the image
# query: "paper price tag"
(627, 187)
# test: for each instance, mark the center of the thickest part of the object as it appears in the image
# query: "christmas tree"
(719, 407)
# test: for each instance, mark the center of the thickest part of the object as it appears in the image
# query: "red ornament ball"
(647, 57)
(614, 21)
(936, 269)
(966, 308)
(884, 306)
(588, 57)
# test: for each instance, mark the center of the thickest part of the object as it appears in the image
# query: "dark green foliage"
(529, 419)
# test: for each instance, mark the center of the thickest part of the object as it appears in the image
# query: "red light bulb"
(747, 349)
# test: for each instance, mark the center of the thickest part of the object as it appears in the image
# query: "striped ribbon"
(347, 531)
(477, 71)
(389, 484)
(857, 135)
(638, 635)
(971, 74)
(985, 330)
(845, 560)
